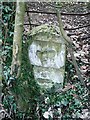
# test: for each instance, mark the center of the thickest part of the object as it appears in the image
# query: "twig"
(66, 38)
(77, 27)
(70, 48)
(28, 17)
(62, 13)
(63, 28)
(5, 29)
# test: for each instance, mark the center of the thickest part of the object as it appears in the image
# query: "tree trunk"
(17, 40)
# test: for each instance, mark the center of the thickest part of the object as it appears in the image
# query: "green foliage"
(22, 97)
(8, 20)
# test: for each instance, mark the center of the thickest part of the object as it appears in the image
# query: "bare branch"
(62, 13)
(70, 48)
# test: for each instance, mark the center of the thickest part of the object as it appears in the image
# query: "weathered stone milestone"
(47, 55)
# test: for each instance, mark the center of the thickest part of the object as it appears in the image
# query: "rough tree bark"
(17, 40)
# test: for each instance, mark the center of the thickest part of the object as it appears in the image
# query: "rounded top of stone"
(46, 33)
(51, 29)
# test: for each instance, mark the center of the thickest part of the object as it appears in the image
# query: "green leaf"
(77, 102)
(64, 102)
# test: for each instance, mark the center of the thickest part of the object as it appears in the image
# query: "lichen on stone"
(47, 55)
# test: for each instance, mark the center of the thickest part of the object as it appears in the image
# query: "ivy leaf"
(77, 102)
(64, 102)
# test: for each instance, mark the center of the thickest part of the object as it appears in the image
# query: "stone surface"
(47, 55)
